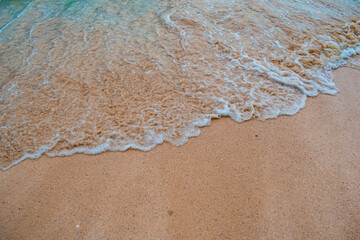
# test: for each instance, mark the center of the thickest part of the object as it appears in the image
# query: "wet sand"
(295, 177)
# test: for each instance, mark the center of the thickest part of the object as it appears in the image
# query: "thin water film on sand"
(90, 76)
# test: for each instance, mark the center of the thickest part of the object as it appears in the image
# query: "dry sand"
(296, 177)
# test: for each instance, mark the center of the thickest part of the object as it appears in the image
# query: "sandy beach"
(295, 177)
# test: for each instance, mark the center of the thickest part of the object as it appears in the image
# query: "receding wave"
(91, 76)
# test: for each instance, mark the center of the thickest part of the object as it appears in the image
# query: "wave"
(88, 77)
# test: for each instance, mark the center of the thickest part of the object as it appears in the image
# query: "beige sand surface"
(296, 177)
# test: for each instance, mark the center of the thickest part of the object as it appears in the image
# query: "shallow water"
(90, 76)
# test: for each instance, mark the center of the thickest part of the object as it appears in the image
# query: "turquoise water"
(91, 76)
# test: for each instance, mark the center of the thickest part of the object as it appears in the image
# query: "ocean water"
(91, 76)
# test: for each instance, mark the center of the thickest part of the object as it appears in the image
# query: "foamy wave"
(134, 74)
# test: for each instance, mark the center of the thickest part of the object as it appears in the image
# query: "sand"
(295, 177)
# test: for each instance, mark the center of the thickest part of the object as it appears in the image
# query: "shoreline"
(294, 177)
